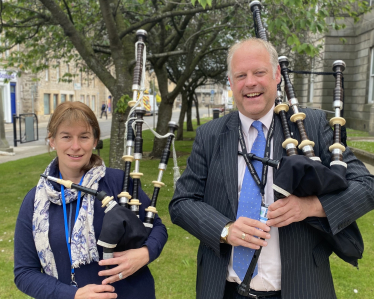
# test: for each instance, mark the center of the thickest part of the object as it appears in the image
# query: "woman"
(49, 232)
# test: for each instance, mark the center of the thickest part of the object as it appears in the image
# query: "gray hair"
(268, 46)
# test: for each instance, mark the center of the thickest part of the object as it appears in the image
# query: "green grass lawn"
(363, 145)
(175, 270)
(356, 133)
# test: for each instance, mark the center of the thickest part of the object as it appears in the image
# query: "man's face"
(252, 82)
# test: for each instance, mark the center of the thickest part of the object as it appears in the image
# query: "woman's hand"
(128, 262)
(93, 291)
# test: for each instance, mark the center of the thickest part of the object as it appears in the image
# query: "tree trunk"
(164, 111)
(181, 116)
(197, 109)
(164, 116)
(189, 113)
(123, 86)
(117, 140)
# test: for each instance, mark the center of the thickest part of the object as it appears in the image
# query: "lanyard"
(67, 226)
(260, 183)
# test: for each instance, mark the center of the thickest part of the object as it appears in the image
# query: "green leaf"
(290, 40)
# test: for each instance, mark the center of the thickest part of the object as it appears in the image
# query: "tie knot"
(258, 125)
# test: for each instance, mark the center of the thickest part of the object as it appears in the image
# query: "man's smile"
(253, 95)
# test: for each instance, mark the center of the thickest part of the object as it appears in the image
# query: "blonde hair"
(268, 46)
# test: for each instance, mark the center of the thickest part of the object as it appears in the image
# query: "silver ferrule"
(293, 102)
(307, 148)
(138, 156)
(295, 109)
(51, 178)
(129, 150)
(135, 88)
(134, 208)
(136, 166)
(162, 166)
(337, 104)
(107, 255)
(123, 200)
(337, 112)
(130, 143)
(290, 146)
(337, 151)
(150, 215)
(280, 95)
(254, 3)
(110, 206)
(160, 174)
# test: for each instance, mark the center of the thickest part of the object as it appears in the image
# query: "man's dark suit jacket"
(206, 199)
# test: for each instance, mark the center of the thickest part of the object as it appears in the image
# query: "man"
(294, 262)
(104, 110)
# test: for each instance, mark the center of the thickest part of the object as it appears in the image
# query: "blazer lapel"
(278, 138)
(229, 153)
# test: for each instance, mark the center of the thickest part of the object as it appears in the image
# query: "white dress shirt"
(269, 262)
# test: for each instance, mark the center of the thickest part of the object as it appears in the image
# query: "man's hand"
(95, 291)
(249, 229)
(127, 262)
(294, 209)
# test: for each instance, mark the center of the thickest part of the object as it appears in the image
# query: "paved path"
(34, 148)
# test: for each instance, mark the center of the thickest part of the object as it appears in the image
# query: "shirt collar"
(247, 122)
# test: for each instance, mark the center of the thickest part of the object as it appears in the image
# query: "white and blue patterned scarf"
(83, 241)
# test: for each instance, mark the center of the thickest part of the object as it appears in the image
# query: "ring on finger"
(243, 236)
(120, 275)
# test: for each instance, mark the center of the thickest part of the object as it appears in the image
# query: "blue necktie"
(250, 203)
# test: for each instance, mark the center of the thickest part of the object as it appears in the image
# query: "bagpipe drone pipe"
(112, 236)
(122, 229)
(305, 175)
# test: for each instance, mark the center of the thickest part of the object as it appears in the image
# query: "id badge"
(264, 214)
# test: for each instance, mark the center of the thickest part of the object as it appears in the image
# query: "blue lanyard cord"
(67, 230)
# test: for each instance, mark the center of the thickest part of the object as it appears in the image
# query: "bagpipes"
(122, 229)
(305, 175)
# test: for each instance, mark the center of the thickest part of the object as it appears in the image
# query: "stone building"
(212, 94)
(358, 53)
(41, 93)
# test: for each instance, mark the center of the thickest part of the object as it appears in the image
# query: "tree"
(212, 68)
(99, 36)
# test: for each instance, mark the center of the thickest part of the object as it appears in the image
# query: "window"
(47, 109)
(88, 100)
(63, 98)
(71, 98)
(55, 101)
(371, 78)
(93, 98)
(82, 98)
(46, 74)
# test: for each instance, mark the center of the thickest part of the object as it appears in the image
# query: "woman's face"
(73, 143)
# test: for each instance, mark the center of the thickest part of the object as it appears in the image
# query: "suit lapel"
(229, 153)
(278, 138)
